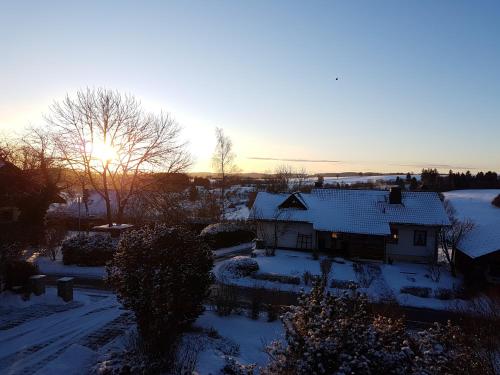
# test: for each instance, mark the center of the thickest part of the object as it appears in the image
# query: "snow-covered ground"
(363, 179)
(381, 282)
(47, 336)
(475, 205)
(250, 336)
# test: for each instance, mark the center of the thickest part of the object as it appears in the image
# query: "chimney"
(395, 195)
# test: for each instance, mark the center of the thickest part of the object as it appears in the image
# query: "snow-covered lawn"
(250, 337)
(403, 275)
(381, 282)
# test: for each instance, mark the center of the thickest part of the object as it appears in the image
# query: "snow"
(250, 335)
(476, 206)
(233, 250)
(54, 342)
(289, 263)
(353, 211)
(363, 179)
(58, 268)
(12, 300)
(385, 284)
(399, 275)
(240, 213)
(75, 360)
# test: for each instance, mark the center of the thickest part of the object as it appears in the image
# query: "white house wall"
(405, 248)
(287, 233)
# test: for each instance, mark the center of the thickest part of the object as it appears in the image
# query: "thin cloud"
(294, 160)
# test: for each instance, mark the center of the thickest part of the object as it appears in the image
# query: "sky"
(418, 81)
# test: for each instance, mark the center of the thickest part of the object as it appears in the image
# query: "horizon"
(416, 84)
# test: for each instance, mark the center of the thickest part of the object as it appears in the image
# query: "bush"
(284, 279)
(343, 284)
(240, 266)
(88, 250)
(417, 291)
(444, 293)
(328, 334)
(496, 201)
(18, 272)
(221, 235)
(225, 299)
(163, 275)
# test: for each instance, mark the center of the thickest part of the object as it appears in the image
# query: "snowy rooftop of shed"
(353, 211)
(476, 206)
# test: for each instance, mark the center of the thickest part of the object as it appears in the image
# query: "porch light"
(335, 235)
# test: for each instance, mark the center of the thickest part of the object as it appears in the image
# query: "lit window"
(394, 235)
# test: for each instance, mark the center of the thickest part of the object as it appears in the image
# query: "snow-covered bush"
(88, 250)
(226, 234)
(240, 266)
(163, 275)
(328, 334)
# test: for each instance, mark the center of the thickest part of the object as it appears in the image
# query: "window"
(420, 238)
(394, 235)
(304, 241)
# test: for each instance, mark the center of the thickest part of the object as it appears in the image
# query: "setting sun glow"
(103, 151)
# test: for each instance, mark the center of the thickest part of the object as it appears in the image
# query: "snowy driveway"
(32, 345)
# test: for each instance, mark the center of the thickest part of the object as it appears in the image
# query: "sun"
(103, 151)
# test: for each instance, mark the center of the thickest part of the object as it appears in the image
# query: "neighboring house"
(478, 252)
(364, 224)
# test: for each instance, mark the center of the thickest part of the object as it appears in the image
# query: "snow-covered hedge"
(88, 250)
(216, 228)
(220, 235)
(239, 266)
(163, 275)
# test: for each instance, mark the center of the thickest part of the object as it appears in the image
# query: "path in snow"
(29, 346)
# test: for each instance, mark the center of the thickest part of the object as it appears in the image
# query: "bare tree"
(450, 236)
(287, 179)
(223, 163)
(271, 229)
(111, 143)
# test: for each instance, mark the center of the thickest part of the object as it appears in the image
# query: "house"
(365, 224)
(478, 252)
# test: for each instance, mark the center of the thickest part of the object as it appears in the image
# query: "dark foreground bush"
(496, 201)
(18, 272)
(163, 275)
(222, 235)
(88, 250)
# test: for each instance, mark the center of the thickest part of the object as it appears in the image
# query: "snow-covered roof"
(475, 205)
(354, 211)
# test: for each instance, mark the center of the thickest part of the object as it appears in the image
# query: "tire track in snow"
(33, 344)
